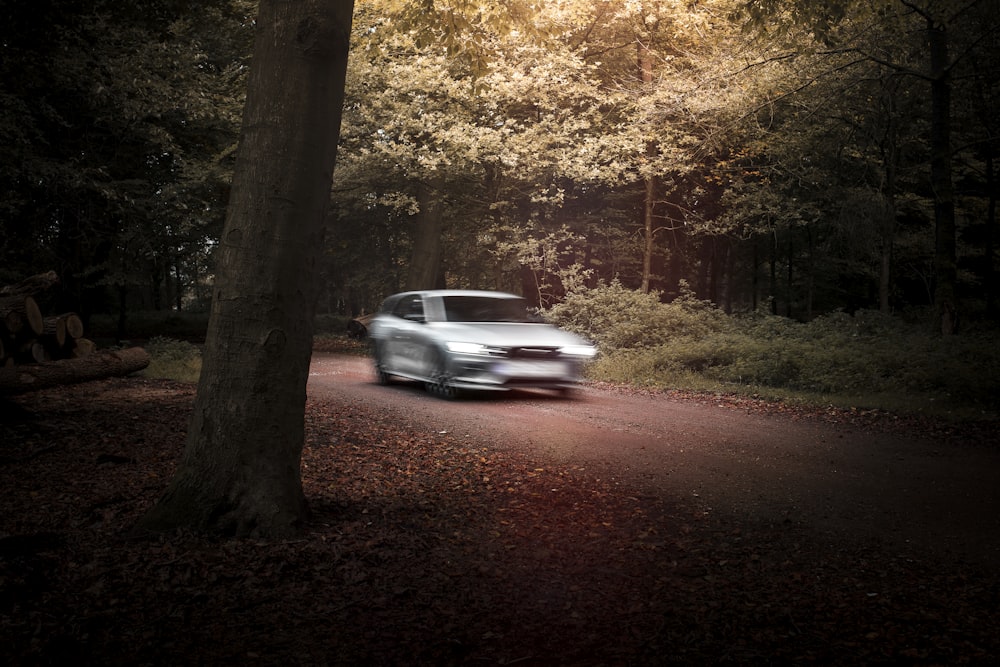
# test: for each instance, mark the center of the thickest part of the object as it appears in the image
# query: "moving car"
(453, 340)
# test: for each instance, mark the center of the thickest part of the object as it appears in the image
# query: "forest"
(735, 199)
(780, 156)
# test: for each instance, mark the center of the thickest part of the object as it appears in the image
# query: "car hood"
(505, 334)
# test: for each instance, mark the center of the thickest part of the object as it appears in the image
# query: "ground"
(456, 543)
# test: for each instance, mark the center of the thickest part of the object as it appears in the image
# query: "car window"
(389, 305)
(410, 308)
(484, 309)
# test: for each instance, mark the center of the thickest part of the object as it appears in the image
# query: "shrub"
(173, 359)
(618, 318)
(868, 357)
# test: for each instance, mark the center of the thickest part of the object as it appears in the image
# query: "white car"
(453, 340)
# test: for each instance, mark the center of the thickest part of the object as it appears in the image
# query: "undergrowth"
(180, 360)
(173, 359)
(865, 360)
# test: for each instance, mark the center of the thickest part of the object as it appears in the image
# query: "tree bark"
(645, 62)
(31, 286)
(240, 472)
(889, 149)
(425, 262)
(107, 363)
(649, 234)
(989, 270)
(945, 252)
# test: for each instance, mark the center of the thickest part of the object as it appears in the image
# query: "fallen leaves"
(425, 547)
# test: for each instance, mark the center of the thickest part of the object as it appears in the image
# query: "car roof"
(390, 302)
(458, 292)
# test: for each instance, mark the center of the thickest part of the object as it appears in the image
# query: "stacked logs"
(26, 336)
(39, 351)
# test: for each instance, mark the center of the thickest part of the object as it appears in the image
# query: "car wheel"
(439, 383)
(567, 392)
(381, 375)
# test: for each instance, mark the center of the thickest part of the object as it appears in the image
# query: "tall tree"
(946, 24)
(240, 473)
(117, 121)
(456, 140)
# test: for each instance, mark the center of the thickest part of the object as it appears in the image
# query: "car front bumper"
(477, 372)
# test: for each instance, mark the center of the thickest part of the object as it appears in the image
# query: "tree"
(666, 143)
(949, 32)
(452, 140)
(117, 121)
(240, 471)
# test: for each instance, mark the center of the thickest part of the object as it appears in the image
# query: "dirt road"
(913, 494)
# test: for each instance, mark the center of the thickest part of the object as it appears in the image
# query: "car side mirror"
(414, 317)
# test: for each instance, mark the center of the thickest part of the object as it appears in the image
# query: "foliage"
(867, 359)
(553, 259)
(117, 122)
(173, 360)
(616, 317)
(785, 144)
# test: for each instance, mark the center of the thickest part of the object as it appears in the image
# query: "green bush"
(867, 359)
(173, 359)
(616, 318)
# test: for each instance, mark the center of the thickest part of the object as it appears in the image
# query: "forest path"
(913, 492)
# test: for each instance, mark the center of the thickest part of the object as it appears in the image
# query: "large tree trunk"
(240, 473)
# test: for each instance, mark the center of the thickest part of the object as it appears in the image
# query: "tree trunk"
(989, 270)
(32, 286)
(425, 263)
(18, 312)
(773, 273)
(240, 473)
(107, 363)
(945, 260)
(885, 255)
(730, 277)
(810, 272)
(645, 60)
(890, 161)
(648, 234)
(790, 275)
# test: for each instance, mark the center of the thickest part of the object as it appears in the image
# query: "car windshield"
(485, 309)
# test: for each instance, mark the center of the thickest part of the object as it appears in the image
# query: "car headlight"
(466, 348)
(587, 351)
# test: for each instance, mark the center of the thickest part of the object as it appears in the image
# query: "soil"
(617, 527)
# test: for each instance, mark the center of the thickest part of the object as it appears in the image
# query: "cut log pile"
(38, 351)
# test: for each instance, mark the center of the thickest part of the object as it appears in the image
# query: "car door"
(404, 350)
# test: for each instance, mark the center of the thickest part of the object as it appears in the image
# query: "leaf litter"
(423, 547)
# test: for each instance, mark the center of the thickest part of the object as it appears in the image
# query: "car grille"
(533, 353)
